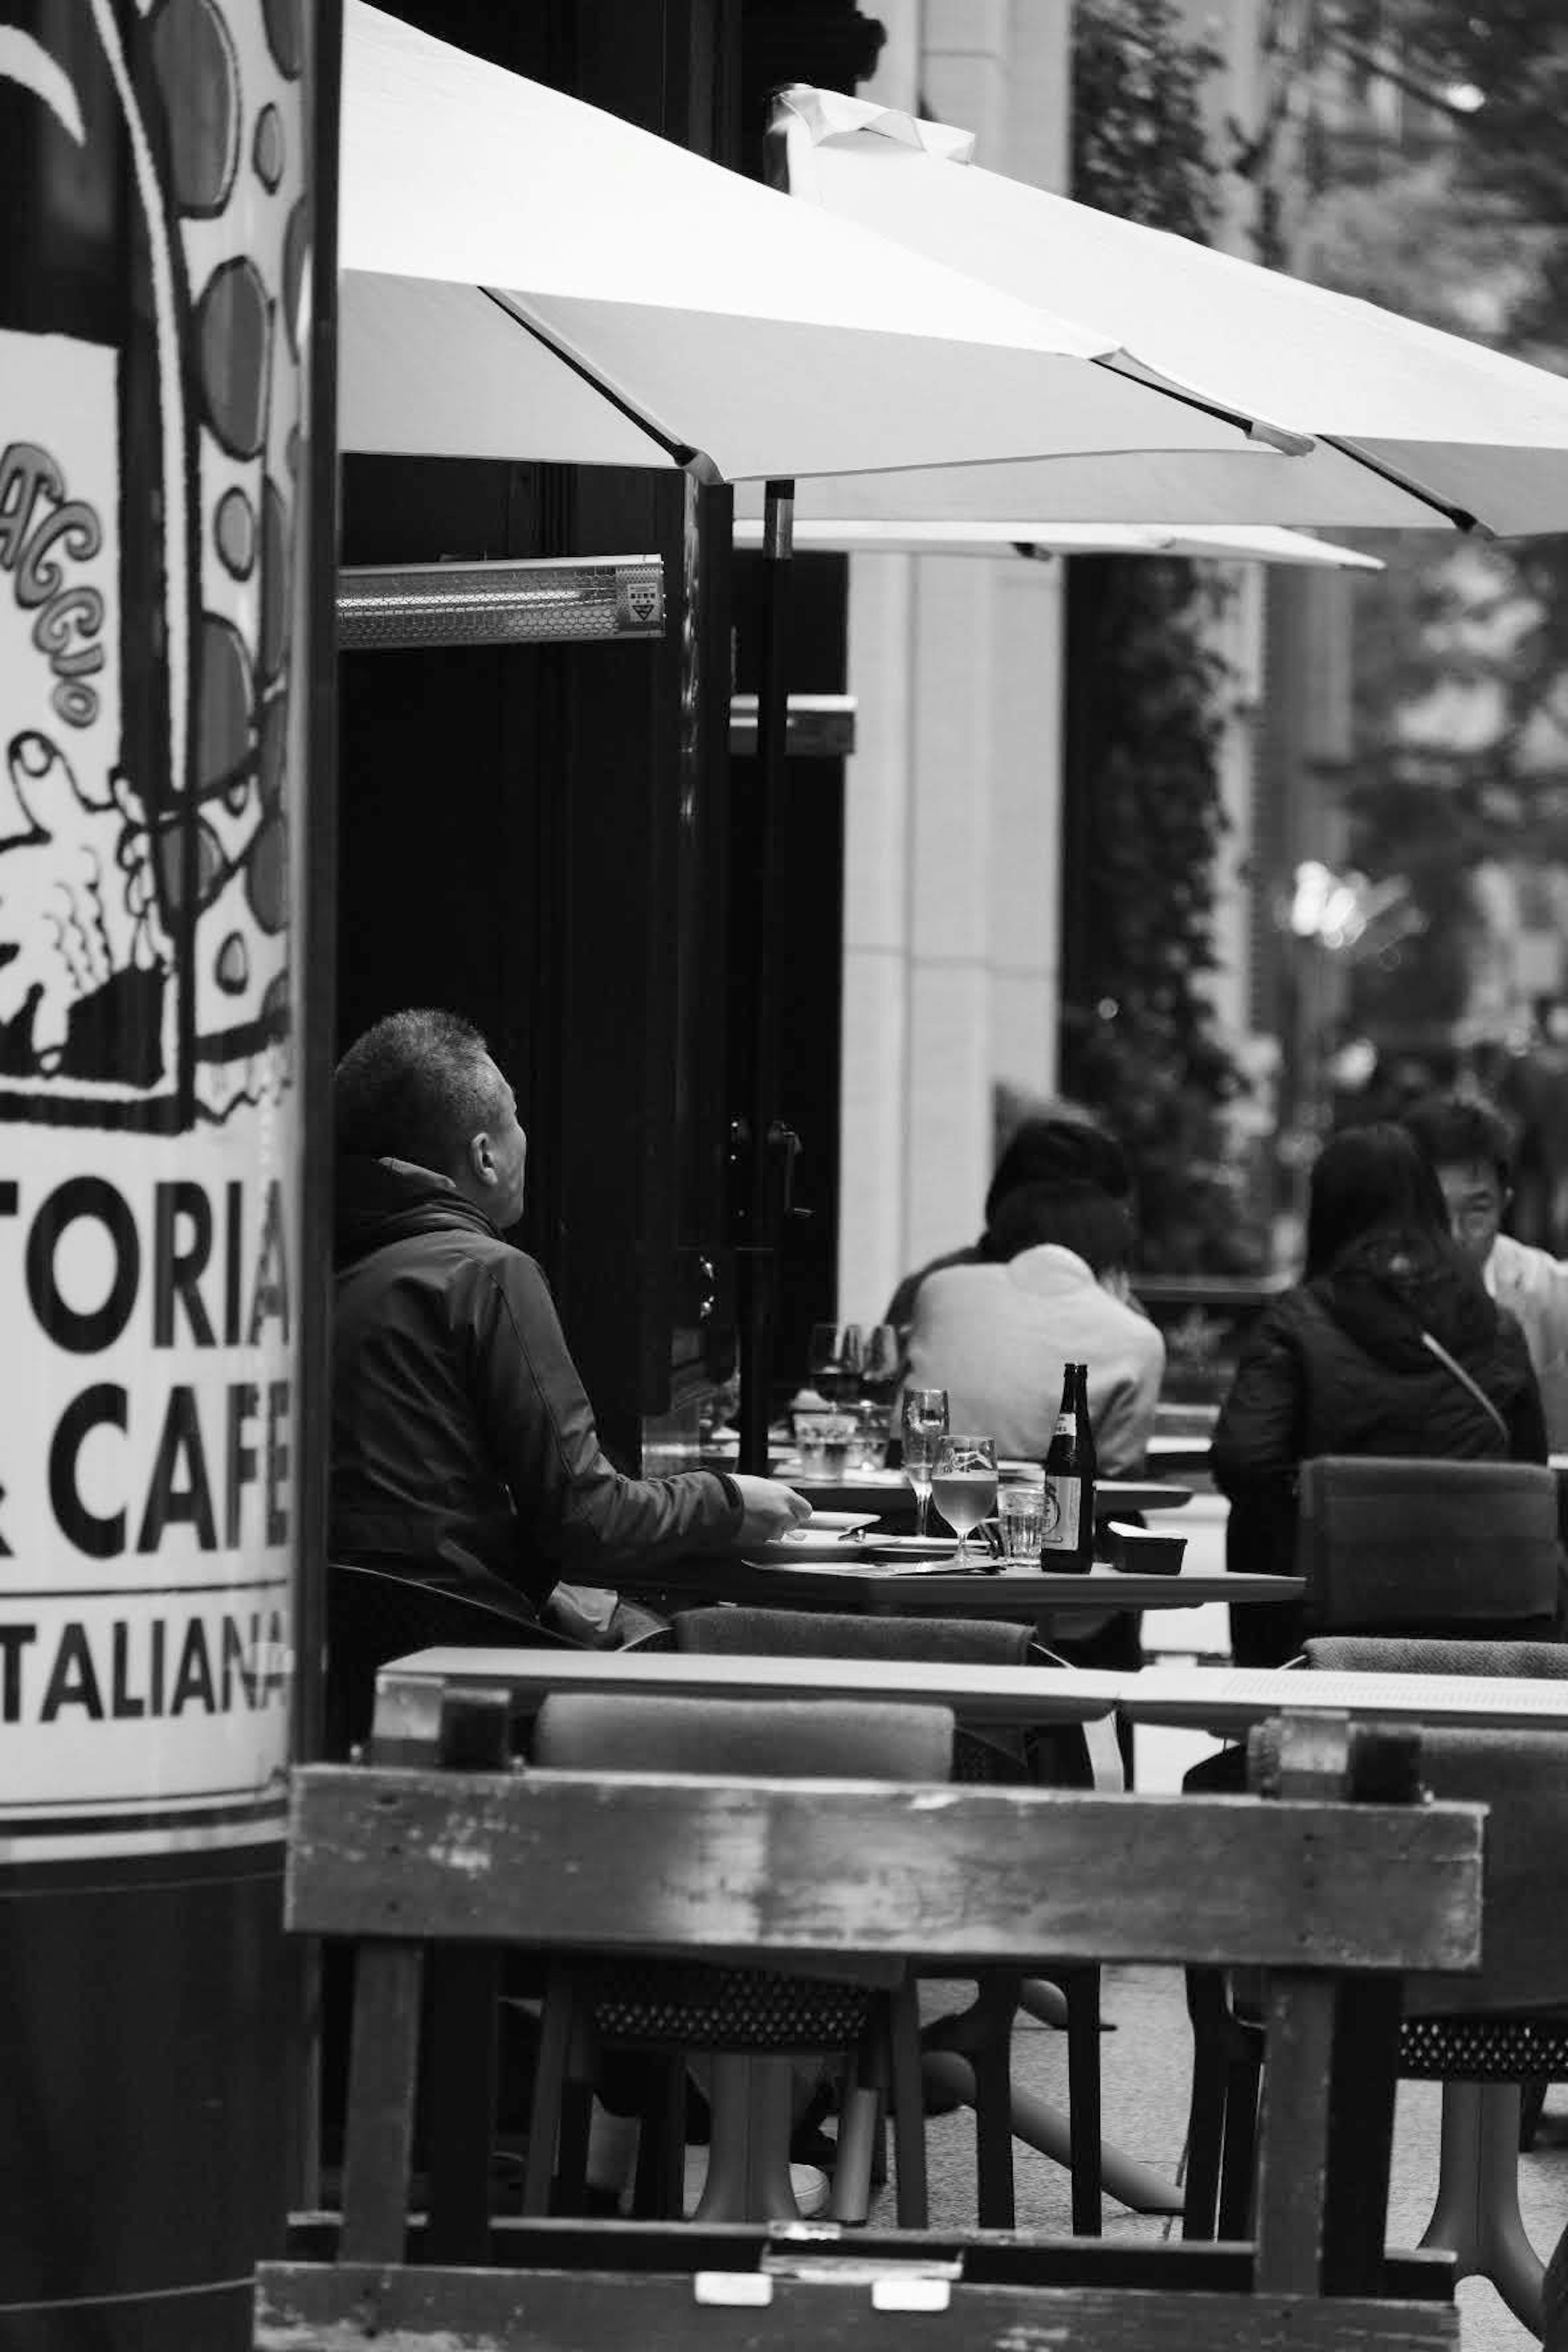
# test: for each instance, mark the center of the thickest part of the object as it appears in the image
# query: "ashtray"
(1144, 1552)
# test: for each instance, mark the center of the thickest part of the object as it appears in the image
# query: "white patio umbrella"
(1404, 415)
(523, 276)
(1261, 543)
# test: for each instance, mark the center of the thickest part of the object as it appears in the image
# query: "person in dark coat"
(464, 1449)
(1340, 1364)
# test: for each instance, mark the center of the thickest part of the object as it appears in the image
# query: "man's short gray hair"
(418, 1086)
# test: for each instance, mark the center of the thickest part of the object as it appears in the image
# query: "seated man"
(464, 1451)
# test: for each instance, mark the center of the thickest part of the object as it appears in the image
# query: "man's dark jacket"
(1338, 1366)
(463, 1441)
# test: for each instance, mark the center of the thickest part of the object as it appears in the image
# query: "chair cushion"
(824, 1634)
(786, 1739)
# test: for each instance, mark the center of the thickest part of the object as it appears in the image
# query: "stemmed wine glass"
(922, 1423)
(963, 1481)
(832, 1360)
(881, 1359)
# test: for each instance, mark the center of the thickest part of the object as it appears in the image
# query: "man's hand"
(770, 1509)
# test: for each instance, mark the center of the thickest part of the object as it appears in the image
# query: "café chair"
(374, 1615)
(377, 1615)
(1467, 1550)
(752, 2021)
(1054, 1754)
(1481, 2038)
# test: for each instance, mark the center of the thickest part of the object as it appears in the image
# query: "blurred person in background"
(1470, 1146)
(1062, 1147)
(1340, 1364)
(1047, 1287)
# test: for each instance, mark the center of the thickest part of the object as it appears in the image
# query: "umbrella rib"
(681, 453)
(1460, 517)
(1292, 442)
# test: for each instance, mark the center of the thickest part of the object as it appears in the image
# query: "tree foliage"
(1145, 698)
(1462, 680)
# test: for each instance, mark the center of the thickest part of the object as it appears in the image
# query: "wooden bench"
(1331, 1898)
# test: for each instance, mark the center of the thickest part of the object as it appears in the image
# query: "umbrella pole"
(769, 1146)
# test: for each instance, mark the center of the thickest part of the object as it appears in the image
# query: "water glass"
(964, 1488)
(922, 1420)
(1021, 1508)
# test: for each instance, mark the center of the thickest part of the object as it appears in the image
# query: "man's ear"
(481, 1160)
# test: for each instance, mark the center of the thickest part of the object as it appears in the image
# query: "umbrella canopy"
(523, 276)
(1261, 543)
(1396, 406)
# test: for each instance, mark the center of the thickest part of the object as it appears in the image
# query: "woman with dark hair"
(1344, 1362)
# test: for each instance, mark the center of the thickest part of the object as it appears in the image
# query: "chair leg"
(1083, 2099)
(991, 2059)
(860, 2115)
(1209, 2008)
(1206, 2137)
(1239, 2158)
(1476, 2216)
(1532, 2105)
(908, 2106)
(661, 2145)
(549, 2087)
(752, 2101)
(572, 2147)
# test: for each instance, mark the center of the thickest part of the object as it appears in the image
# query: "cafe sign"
(150, 750)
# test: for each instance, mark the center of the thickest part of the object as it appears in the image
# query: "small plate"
(797, 1551)
(835, 1523)
(911, 1547)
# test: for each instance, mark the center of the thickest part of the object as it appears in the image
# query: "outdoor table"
(1013, 1694)
(1228, 1699)
(892, 1587)
(407, 1714)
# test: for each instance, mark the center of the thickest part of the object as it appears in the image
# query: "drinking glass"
(963, 1486)
(833, 1361)
(881, 1359)
(1021, 1508)
(922, 1422)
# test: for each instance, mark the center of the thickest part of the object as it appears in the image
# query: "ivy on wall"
(1144, 698)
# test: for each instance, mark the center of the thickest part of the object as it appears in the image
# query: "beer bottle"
(1069, 1540)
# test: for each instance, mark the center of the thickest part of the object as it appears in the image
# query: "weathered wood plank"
(1293, 2137)
(308, 2310)
(961, 1874)
(989, 2257)
(379, 2139)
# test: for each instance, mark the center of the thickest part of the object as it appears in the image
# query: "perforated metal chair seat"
(1483, 2049)
(710, 2006)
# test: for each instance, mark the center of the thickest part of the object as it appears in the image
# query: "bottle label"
(1063, 1504)
(1067, 1426)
